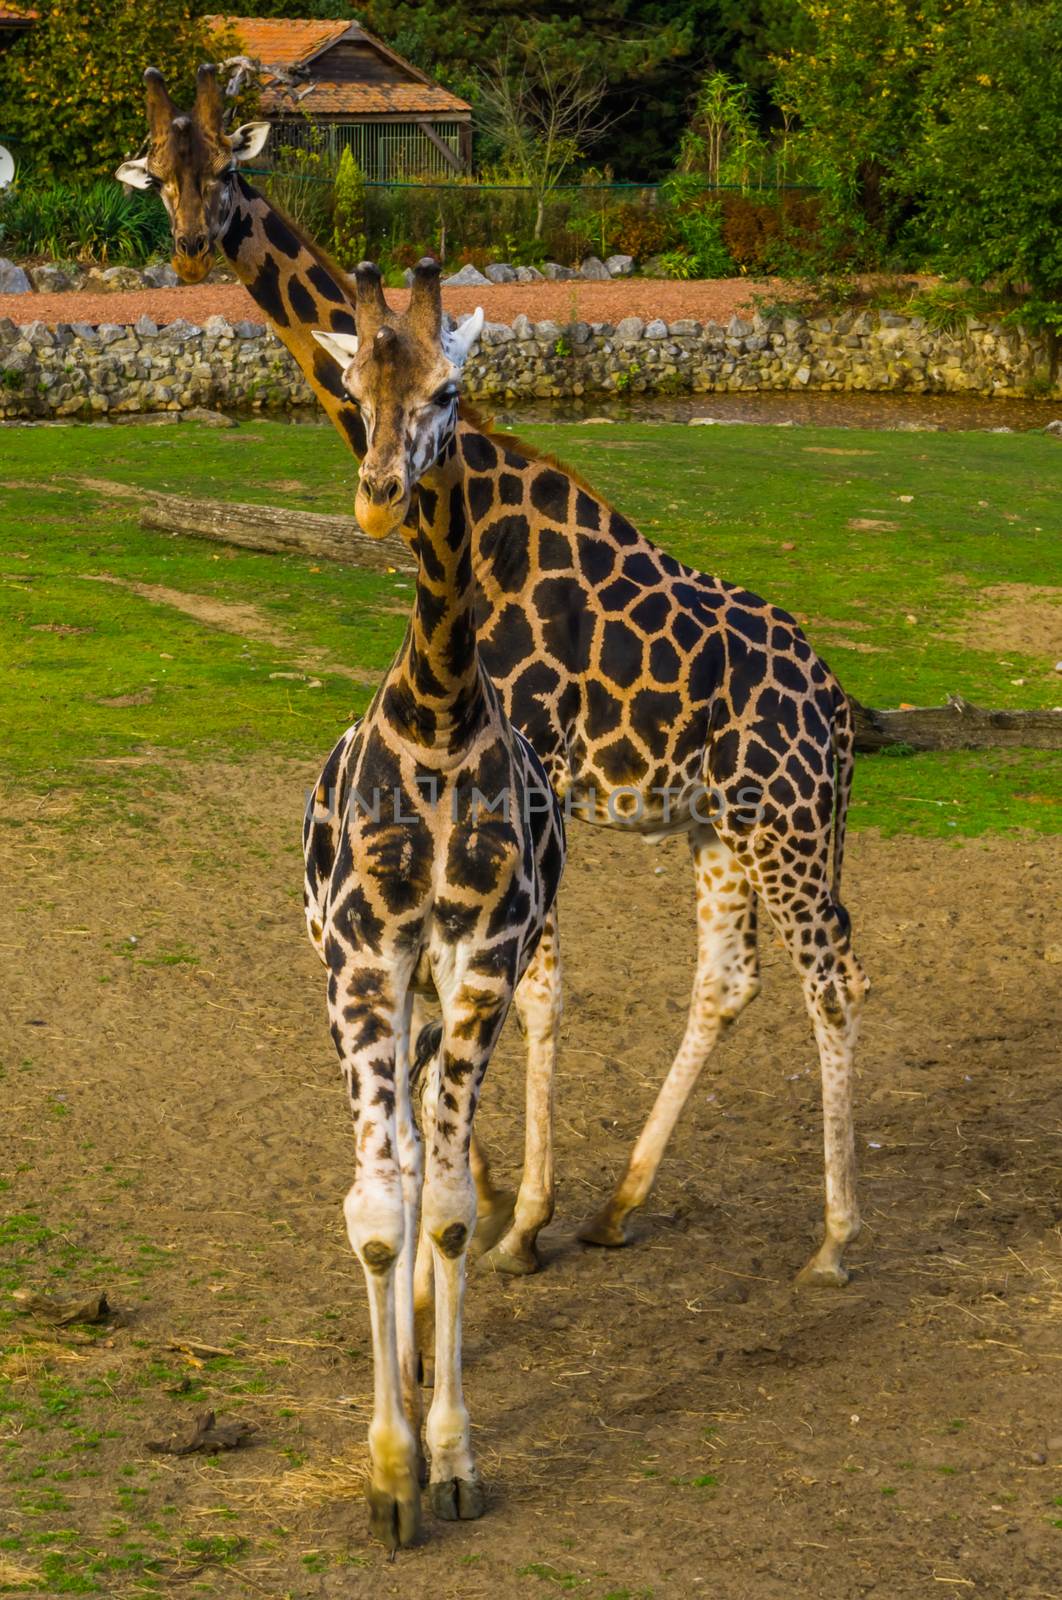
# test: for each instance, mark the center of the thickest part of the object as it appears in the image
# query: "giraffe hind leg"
(725, 982)
(795, 888)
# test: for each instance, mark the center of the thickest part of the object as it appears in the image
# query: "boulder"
(160, 275)
(208, 418)
(594, 269)
(558, 274)
(1054, 428)
(12, 278)
(469, 277)
(619, 266)
(50, 279)
(114, 279)
(145, 327)
(248, 330)
(628, 329)
(496, 333)
(657, 329)
(529, 275)
(499, 272)
(523, 327)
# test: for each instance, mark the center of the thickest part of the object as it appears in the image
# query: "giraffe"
(659, 699)
(451, 846)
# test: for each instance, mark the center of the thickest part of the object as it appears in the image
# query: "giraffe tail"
(844, 759)
(428, 1041)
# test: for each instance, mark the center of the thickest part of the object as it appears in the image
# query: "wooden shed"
(346, 87)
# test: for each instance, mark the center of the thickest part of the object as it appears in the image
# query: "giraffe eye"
(444, 396)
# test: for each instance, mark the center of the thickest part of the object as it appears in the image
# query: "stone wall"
(76, 369)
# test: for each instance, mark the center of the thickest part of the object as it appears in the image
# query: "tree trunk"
(277, 530)
(956, 726)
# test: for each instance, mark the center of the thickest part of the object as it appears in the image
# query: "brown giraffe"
(450, 845)
(659, 699)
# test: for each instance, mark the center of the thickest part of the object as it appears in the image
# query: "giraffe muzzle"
(192, 268)
(381, 505)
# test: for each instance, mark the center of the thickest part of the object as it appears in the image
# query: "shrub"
(348, 214)
(301, 182)
(776, 235)
(72, 89)
(96, 222)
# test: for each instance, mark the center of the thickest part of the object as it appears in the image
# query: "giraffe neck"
(298, 289)
(437, 694)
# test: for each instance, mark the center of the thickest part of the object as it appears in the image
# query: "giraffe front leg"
(365, 1022)
(538, 1001)
(472, 1023)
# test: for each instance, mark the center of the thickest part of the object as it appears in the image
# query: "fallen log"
(275, 529)
(956, 726)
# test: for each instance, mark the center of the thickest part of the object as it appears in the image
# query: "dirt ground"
(707, 300)
(669, 1420)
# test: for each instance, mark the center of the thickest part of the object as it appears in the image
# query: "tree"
(71, 86)
(543, 116)
(855, 81)
(984, 166)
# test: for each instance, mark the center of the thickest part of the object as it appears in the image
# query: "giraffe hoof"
(492, 1223)
(604, 1230)
(822, 1275)
(517, 1260)
(457, 1499)
(394, 1521)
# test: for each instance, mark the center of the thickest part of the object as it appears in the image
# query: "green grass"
(978, 511)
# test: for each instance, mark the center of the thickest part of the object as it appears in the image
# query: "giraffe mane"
(484, 423)
(314, 246)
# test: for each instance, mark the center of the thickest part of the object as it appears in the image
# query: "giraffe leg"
(814, 928)
(409, 1159)
(538, 1002)
(368, 1025)
(833, 994)
(726, 980)
(472, 1022)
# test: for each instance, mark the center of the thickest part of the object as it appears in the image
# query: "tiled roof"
(278, 42)
(366, 99)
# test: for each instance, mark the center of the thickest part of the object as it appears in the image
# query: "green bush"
(301, 182)
(984, 171)
(348, 212)
(95, 222)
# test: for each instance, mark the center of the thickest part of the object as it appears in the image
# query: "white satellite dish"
(7, 167)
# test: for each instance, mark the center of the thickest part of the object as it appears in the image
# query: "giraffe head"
(191, 161)
(403, 373)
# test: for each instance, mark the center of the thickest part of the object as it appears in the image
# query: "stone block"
(13, 279)
(558, 274)
(630, 329)
(594, 270)
(500, 272)
(468, 276)
(619, 266)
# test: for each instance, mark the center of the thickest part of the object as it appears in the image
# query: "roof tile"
(280, 42)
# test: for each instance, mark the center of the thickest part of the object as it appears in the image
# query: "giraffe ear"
(342, 347)
(249, 140)
(135, 174)
(459, 342)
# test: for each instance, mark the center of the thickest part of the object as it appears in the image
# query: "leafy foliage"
(95, 222)
(348, 220)
(71, 85)
(985, 170)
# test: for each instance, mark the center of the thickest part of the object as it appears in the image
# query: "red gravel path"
(712, 300)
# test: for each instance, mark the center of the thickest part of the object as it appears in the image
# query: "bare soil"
(669, 1420)
(715, 299)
